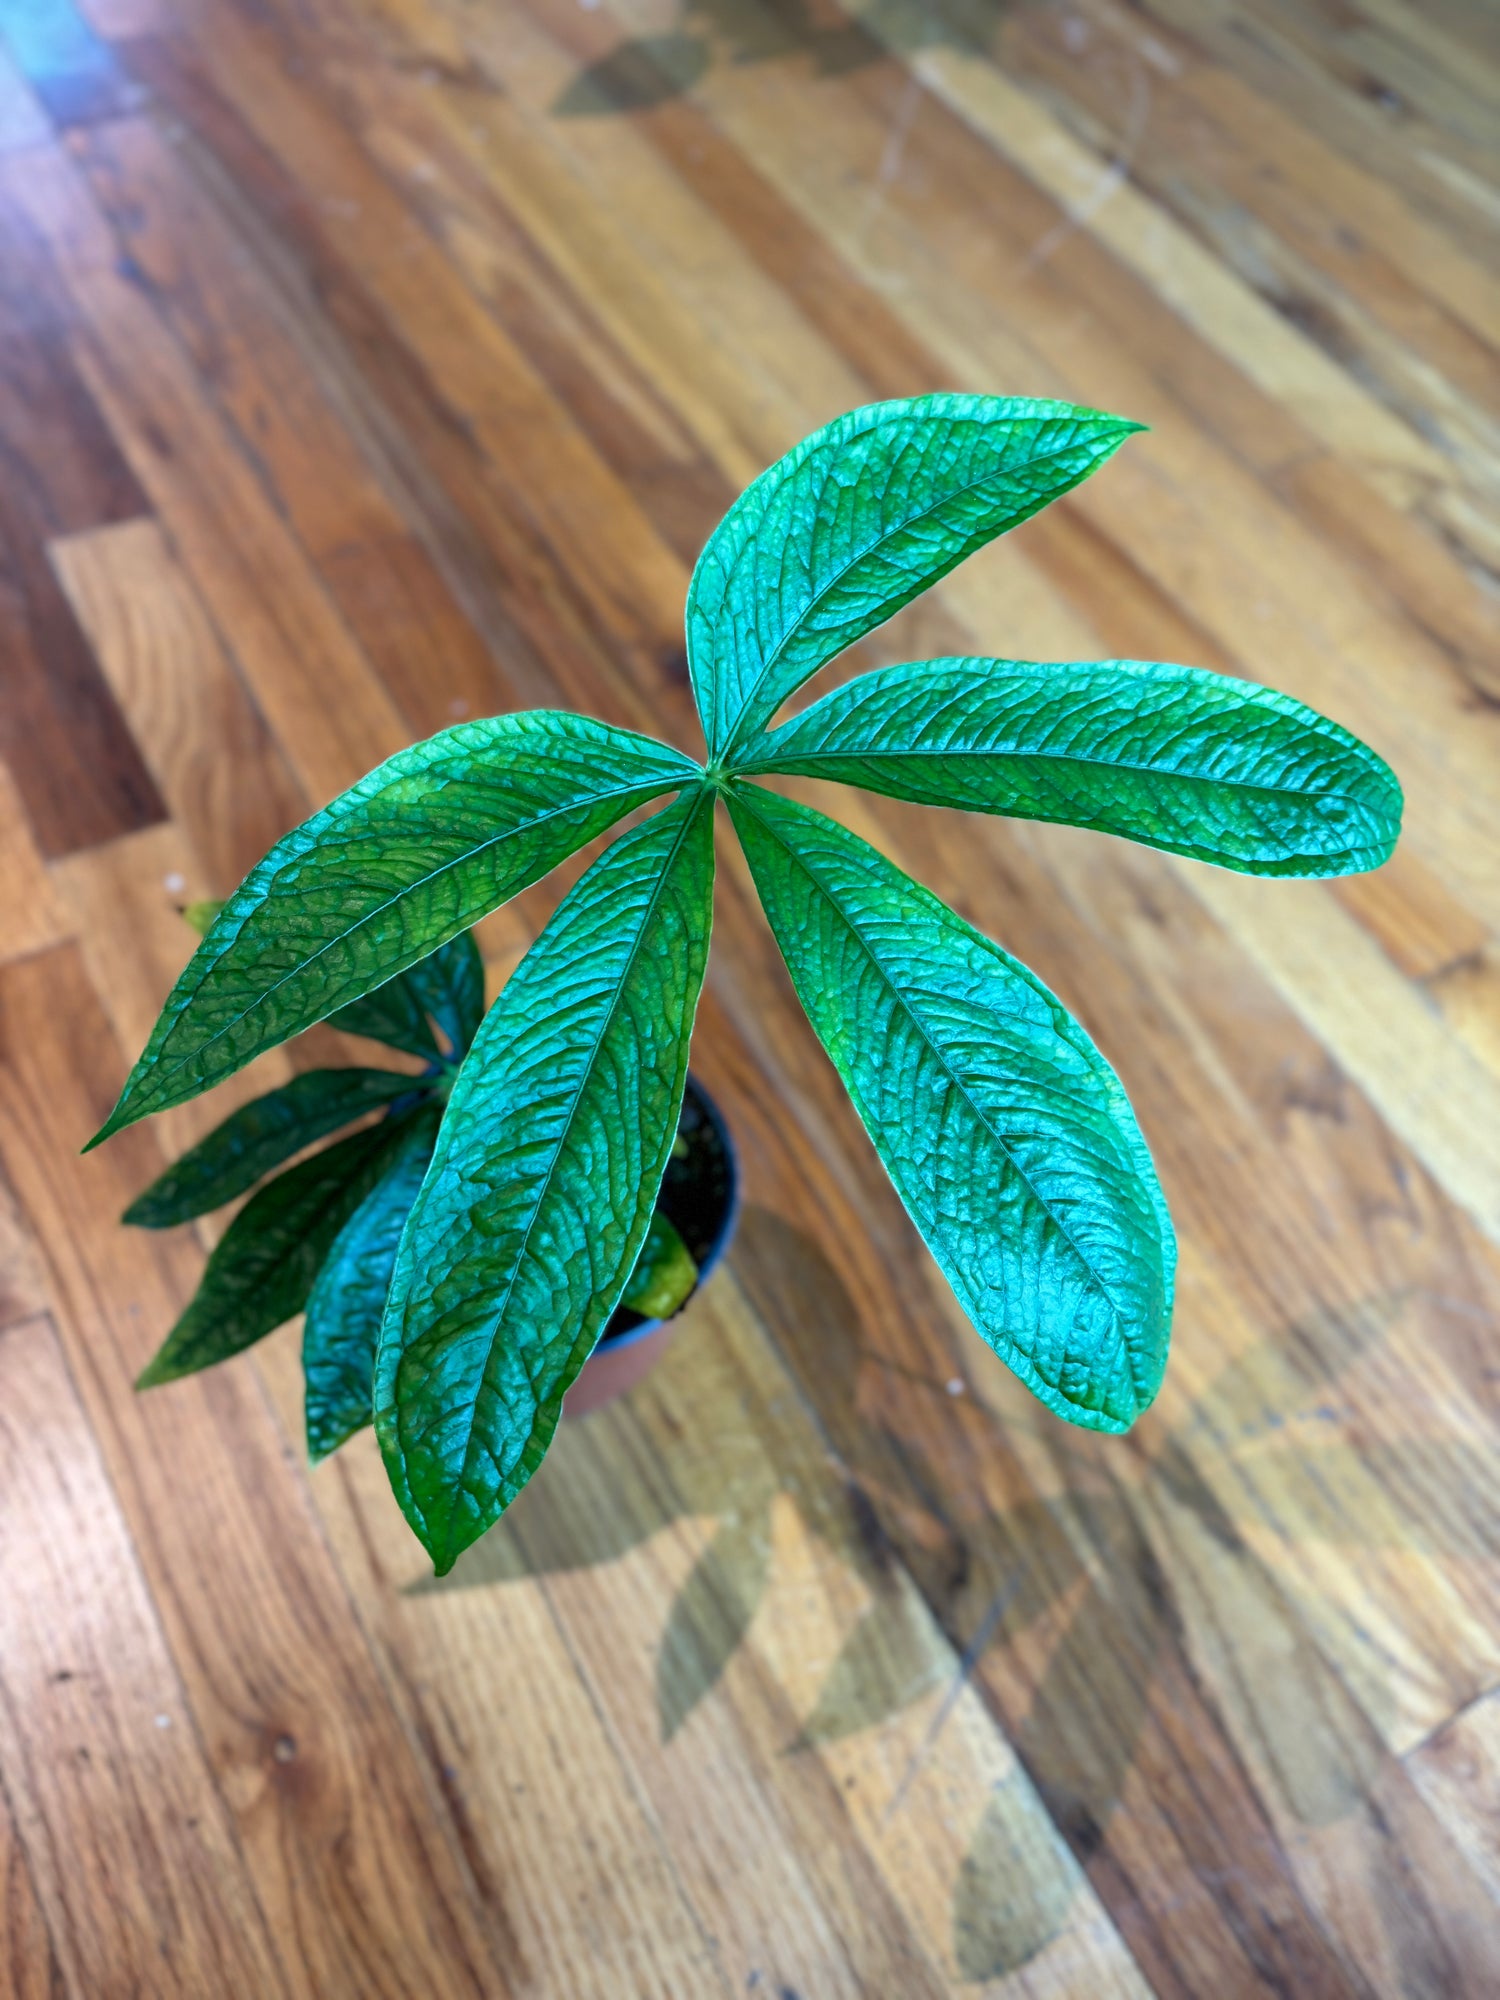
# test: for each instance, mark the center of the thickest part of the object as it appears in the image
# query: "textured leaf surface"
(664, 1274)
(1197, 763)
(416, 852)
(263, 1269)
(856, 521)
(348, 1299)
(258, 1137)
(542, 1185)
(446, 988)
(1005, 1131)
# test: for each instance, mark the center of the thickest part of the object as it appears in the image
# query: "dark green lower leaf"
(348, 1300)
(445, 989)
(263, 1269)
(258, 1137)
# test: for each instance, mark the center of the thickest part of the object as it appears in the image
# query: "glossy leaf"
(1197, 763)
(1006, 1133)
(856, 521)
(348, 1299)
(539, 1195)
(259, 1136)
(446, 988)
(664, 1276)
(413, 854)
(263, 1268)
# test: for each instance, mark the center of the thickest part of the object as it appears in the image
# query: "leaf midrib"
(768, 666)
(1096, 1281)
(689, 821)
(434, 875)
(1061, 757)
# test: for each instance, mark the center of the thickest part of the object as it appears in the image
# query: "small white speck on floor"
(174, 884)
(956, 1386)
(163, 1721)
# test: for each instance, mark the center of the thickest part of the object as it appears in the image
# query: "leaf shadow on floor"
(647, 70)
(1076, 1573)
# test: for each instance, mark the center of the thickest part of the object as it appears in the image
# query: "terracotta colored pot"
(701, 1197)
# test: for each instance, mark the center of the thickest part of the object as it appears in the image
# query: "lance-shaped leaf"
(855, 522)
(446, 988)
(259, 1136)
(538, 1198)
(1006, 1133)
(414, 853)
(348, 1299)
(264, 1266)
(1200, 764)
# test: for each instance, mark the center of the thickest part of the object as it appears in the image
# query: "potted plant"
(461, 1256)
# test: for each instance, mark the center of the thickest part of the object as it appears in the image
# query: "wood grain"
(95, 1729)
(330, 1808)
(224, 778)
(30, 918)
(369, 364)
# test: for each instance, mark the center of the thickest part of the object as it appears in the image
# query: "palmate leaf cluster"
(478, 1236)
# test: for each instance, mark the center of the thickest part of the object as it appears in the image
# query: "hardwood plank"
(23, 1284)
(27, 1959)
(349, 1852)
(1468, 995)
(1426, 1085)
(77, 768)
(22, 119)
(1458, 1771)
(136, 1864)
(225, 782)
(117, 20)
(71, 70)
(80, 774)
(331, 717)
(30, 919)
(632, 588)
(1411, 916)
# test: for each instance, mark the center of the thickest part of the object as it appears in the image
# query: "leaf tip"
(107, 1130)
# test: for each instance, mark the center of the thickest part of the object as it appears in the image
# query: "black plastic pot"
(700, 1194)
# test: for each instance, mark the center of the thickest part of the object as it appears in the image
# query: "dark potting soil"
(695, 1191)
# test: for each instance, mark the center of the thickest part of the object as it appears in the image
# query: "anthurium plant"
(460, 1252)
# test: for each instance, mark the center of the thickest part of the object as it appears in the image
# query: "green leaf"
(1198, 763)
(450, 986)
(859, 519)
(541, 1189)
(200, 916)
(264, 1266)
(447, 988)
(1006, 1133)
(258, 1137)
(416, 852)
(665, 1274)
(348, 1300)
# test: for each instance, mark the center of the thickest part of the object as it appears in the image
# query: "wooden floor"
(367, 364)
